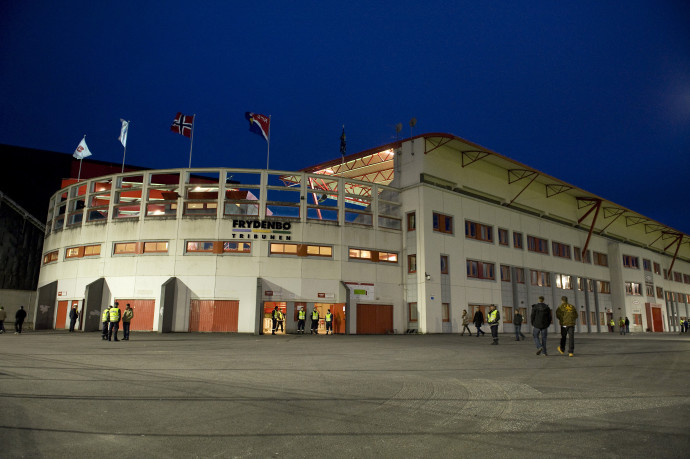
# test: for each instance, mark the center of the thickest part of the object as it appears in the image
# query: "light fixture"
(427, 276)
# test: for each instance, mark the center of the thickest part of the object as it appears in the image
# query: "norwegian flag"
(259, 124)
(183, 124)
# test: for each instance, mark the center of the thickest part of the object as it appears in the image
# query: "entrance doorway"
(269, 307)
(61, 319)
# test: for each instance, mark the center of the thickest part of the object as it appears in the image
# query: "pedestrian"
(517, 323)
(280, 320)
(301, 318)
(493, 318)
(621, 325)
(3, 316)
(73, 316)
(329, 322)
(105, 320)
(127, 317)
(478, 320)
(612, 325)
(541, 319)
(274, 320)
(114, 315)
(567, 316)
(19, 320)
(627, 325)
(465, 323)
(315, 321)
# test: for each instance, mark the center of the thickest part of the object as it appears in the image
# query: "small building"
(396, 239)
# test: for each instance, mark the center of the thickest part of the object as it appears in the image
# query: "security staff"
(280, 319)
(329, 322)
(274, 320)
(315, 321)
(114, 314)
(105, 319)
(301, 318)
(493, 318)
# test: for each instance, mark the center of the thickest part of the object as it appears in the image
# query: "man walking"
(541, 319)
(19, 320)
(105, 321)
(73, 316)
(493, 318)
(478, 320)
(126, 321)
(114, 315)
(567, 316)
(465, 323)
(517, 323)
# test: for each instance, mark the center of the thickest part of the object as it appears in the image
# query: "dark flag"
(343, 146)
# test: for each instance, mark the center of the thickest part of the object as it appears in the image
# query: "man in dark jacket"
(19, 319)
(541, 319)
(73, 316)
(478, 321)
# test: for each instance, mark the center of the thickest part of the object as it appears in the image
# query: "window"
(412, 312)
(517, 240)
(659, 292)
(445, 312)
(601, 259)
(443, 223)
(503, 236)
(124, 247)
(237, 247)
(540, 278)
(287, 249)
(72, 252)
(520, 275)
(560, 250)
(578, 255)
(564, 281)
(647, 265)
(50, 257)
(319, 251)
(536, 244)
(92, 250)
(637, 319)
(604, 287)
(480, 270)
(478, 231)
(444, 264)
(631, 262)
(583, 318)
(156, 247)
(686, 279)
(678, 277)
(633, 288)
(200, 246)
(411, 221)
(666, 276)
(657, 268)
(507, 314)
(505, 273)
(412, 263)
(649, 289)
(581, 284)
(83, 251)
(388, 257)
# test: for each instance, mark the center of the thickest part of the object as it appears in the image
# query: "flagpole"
(125, 153)
(268, 141)
(191, 143)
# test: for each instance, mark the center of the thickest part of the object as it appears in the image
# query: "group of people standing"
(541, 320)
(19, 317)
(278, 319)
(111, 322)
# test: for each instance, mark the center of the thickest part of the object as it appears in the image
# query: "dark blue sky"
(596, 93)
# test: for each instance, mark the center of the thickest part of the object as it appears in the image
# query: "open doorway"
(269, 307)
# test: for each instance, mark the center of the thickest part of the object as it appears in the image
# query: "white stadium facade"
(397, 239)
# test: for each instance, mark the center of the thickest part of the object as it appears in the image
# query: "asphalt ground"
(66, 395)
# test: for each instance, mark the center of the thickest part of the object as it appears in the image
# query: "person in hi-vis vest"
(315, 321)
(114, 314)
(329, 322)
(105, 319)
(301, 318)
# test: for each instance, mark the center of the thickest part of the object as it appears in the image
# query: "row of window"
(219, 247)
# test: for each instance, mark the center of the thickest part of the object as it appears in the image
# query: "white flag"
(82, 150)
(123, 133)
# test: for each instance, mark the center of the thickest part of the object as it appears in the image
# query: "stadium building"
(397, 239)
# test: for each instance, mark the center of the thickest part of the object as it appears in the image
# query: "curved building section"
(397, 239)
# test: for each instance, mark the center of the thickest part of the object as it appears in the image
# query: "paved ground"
(201, 395)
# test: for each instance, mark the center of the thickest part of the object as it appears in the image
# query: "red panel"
(143, 313)
(225, 315)
(61, 319)
(658, 322)
(374, 319)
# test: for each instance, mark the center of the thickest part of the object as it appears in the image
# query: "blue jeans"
(518, 332)
(540, 343)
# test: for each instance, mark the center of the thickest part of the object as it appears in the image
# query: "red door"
(374, 319)
(213, 315)
(61, 319)
(658, 322)
(338, 311)
(143, 313)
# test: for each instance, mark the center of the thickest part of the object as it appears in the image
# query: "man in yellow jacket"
(567, 316)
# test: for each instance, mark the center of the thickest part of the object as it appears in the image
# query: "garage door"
(213, 315)
(374, 319)
(143, 313)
